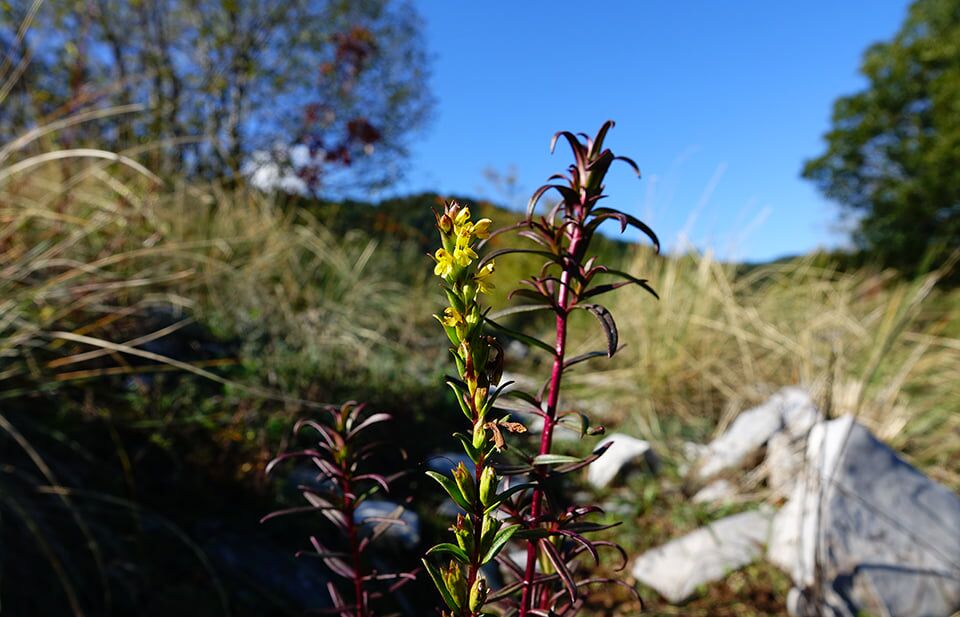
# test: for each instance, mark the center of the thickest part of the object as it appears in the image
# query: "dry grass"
(83, 254)
(864, 342)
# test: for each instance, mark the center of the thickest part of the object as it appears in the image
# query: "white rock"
(690, 453)
(881, 537)
(718, 491)
(790, 410)
(624, 451)
(516, 350)
(677, 568)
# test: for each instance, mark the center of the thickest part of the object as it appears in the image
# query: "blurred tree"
(328, 89)
(893, 154)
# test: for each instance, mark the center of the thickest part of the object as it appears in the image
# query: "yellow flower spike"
(482, 277)
(445, 263)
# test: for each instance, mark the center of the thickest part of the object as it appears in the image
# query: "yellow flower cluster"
(458, 233)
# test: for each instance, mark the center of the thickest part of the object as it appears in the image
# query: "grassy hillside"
(158, 340)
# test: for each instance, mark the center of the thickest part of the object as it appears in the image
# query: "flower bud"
(478, 594)
(480, 397)
(479, 436)
(488, 486)
(465, 483)
(452, 209)
(445, 224)
(455, 583)
(461, 530)
(488, 529)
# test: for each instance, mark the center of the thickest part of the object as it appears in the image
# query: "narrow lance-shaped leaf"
(451, 549)
(583, 358)
(603, 213)
(554, 459)
(522, 308)
(510, 251)
(524, 338)
(452, 489)
(606, 322)
(557, 561)
(373, 419)
(503, 536)
(507, 493)
(439, 584)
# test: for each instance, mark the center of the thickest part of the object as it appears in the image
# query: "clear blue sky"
(718, 102)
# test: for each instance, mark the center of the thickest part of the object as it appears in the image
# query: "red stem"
(549, 420)
(348, 510)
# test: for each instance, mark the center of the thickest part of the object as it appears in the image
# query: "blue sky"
(718, 102)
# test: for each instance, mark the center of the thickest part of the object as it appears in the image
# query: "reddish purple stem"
(553, 396)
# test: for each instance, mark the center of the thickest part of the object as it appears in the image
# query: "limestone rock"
(884, 538)
(623, 452)
(718, 491)
(677, 568)
(791, 410)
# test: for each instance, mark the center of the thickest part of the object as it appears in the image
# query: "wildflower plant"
(533, 509)
(341, 485)
(479, 536)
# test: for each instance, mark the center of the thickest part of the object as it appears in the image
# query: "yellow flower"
(462, 217)
(463, 254)
(482, 277)
(445, 263)
(481, 228)
(451, 317)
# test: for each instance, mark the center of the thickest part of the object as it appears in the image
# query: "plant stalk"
(553, 397)
(348, 510)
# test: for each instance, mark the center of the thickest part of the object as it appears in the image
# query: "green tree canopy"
(893, 153)
(223, 82)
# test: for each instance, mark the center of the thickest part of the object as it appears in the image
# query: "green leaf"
(502, 537)
(554, 459)
(501, 497)
(439, 584)
(521, 308)
(577, 421)
(459, 389)
(525, 397)
(452, 489)
(467, 442)
(452, 549)
(520, 336)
